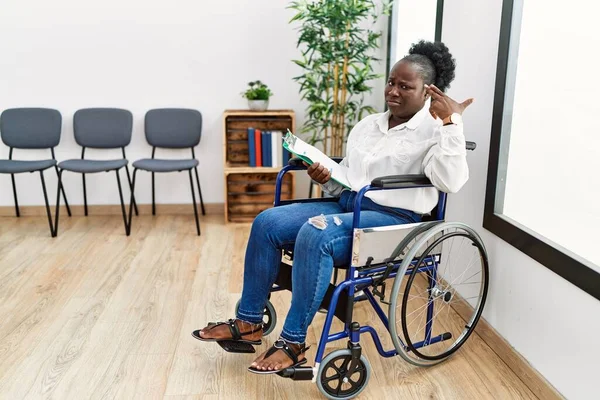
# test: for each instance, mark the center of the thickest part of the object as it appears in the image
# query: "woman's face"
(405, 92)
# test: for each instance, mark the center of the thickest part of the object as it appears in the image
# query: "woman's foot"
(278, 357)
(234, 329)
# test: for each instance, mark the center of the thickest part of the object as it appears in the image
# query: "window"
(544, 169)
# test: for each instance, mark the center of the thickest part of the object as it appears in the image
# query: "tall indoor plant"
(337, 41)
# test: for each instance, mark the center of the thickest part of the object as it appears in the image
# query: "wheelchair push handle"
(298, 162)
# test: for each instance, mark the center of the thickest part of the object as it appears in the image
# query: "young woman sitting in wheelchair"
(421, 133)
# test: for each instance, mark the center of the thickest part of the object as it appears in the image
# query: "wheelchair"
(440, 279)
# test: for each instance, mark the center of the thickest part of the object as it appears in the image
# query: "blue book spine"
(266, 154)
(251, 148)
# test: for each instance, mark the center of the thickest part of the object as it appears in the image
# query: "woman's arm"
(445, 164)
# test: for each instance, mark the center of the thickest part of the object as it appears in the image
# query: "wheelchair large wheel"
(404, 246)
(336, 382)
(269, 317)
(436, 306)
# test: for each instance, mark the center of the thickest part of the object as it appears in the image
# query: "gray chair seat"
(18, 166)
(159, 165)
(92, 166)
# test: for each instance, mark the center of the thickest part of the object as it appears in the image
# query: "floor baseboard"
(519, 365)
(115, 209)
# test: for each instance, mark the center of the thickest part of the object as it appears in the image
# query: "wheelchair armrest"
(298, 162)
(400, 181)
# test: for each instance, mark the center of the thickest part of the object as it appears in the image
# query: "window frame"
(551, 256)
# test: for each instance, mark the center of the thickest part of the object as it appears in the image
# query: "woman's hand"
(318, 173)
(443, 106)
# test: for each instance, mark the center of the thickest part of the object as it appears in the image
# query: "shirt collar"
(411, 124)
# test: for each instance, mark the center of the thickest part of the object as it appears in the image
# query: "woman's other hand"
(443, 106)
(318, 173)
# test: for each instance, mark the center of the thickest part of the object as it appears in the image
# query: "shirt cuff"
(330, 186)
(452, 130)
(452, 141)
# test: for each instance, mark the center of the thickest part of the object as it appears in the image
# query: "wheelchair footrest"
(297, 373)
(236, 347)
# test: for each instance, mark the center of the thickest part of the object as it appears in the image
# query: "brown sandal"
(236, 335)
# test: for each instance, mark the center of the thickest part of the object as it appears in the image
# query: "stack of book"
(265, 149)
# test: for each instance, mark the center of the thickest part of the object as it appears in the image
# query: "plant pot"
(258, 105)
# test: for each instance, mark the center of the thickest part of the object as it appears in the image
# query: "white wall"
(140, 54)
(552, 323)
(412, 20)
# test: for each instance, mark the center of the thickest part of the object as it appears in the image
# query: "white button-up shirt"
(421, 145)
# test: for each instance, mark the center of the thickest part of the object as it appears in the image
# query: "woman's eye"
(404, 87)
(389, 83)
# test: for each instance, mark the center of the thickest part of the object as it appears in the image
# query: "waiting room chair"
(31, 128)
(171, 128)
(100, 128)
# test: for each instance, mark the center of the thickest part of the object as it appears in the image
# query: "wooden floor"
(94, 314)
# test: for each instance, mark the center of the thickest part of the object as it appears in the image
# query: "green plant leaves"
(257, 91)
(337, 64)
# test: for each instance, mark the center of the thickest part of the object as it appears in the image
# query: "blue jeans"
(315, 253)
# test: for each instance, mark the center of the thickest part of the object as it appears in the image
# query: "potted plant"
(337, 46)
(258, 95)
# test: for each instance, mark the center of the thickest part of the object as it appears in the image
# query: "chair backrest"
(174, 128)
(103, 128)
(31, 128)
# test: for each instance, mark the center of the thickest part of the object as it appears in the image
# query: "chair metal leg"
(194, 202)
(64, 194)
(133, 198)
(85, 208)
(60, 172)
(153, 203)
(14, 185)
(131, 202)
(200, 191)
(47, 204)
(122, 204)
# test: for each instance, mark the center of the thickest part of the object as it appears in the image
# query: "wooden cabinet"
(250, 190)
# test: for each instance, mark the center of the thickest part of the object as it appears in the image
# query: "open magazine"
(311, 155)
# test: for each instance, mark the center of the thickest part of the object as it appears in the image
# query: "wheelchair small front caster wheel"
(335, 380)
(269, 317)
